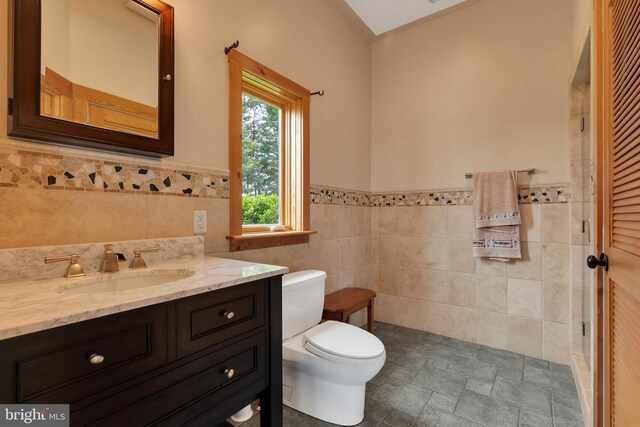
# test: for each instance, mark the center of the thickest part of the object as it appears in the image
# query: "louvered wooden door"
(621, 203)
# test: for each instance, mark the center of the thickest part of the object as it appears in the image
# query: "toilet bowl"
(325, 365)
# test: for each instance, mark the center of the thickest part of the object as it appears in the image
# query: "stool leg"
(370, 315)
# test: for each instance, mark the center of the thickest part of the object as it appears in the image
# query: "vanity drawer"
(209, 319)
(186, 391)
(55, 365)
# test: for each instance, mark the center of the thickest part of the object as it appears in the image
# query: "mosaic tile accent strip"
(424, 198)
(334, 196)
(526, 195)
(30, 169)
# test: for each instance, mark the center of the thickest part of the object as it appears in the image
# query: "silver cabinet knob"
(96, 359)
(167, 77)
(229, 314)
(230, 373)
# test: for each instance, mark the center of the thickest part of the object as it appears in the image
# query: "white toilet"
(325, 365)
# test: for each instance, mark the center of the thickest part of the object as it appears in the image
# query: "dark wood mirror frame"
(24, 116)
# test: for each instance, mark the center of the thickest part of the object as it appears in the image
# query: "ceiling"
(385, 15)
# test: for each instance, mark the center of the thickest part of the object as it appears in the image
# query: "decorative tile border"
(337, 196)
(30, 169)
(526, 195)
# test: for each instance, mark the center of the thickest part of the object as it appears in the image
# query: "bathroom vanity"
(192, 352)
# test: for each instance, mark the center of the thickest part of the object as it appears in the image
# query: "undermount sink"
(125, 281)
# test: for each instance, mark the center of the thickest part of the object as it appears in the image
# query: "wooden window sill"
(268, 239)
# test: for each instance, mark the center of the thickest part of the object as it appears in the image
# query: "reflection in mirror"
(99, 64)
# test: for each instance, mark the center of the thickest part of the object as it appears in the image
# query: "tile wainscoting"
(414, 250)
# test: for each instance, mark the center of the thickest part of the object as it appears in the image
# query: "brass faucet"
(109, 263)
(74, 270)
(138, 261)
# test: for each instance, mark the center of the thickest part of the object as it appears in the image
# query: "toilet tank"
(302, 301)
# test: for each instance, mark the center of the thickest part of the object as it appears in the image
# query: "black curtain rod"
(320, 92)
(233, 46)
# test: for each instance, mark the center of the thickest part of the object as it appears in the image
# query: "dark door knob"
(603, 261)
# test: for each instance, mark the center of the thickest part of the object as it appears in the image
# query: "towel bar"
(528, 171)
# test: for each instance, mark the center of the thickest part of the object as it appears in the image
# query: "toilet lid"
(342, 340)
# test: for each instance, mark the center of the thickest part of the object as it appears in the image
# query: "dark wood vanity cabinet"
(191, 361)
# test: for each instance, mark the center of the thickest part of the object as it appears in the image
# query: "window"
(268, 157)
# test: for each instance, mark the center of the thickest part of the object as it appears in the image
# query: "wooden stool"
(340, 305)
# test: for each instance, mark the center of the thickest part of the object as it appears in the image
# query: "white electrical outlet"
(199, 222)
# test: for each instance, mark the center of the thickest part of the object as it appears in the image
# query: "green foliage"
(260, 147)
(261, 209)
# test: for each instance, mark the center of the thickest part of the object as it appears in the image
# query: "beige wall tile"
(348, 256)
(362, 221)
(375, 217)
(170, 216)
(325, 219)
(555, 223)
(489, 267)
(460, 222)
(324, 256)
(555, 263)
(577, 264)
(450, 320)
(433, 220)
(576, 180)
(491, 293)
(529, 267)
(556, 304)
(524, 336)
(462, 289)
(576, 308)
(556, 342)
(375, 244)
(413, 252)
(405, 312)
(389, 220)
(576, 223)
(491, 329)
(217, 223)
(332, 284)
(357, 278)
(110, 216)
(414, 283)
(347, 227)
(388, 308)
(576, 341)
(531, 228)
(460, 256)
(525, 298)
(41, 217)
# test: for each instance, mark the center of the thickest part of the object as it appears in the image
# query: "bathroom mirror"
(95, 74)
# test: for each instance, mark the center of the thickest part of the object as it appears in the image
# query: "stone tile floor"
(431, 380)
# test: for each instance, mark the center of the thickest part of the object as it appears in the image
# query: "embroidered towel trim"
(497, 216)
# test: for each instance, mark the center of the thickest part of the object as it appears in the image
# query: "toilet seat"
(338, 341)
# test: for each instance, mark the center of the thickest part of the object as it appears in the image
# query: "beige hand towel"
(497, 217)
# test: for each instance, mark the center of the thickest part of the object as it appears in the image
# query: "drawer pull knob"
(96, 359)
(230, 373)
(229, 314)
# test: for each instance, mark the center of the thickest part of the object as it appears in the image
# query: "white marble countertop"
(33, 306)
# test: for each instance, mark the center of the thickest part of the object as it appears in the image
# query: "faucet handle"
(74, 270)
(138, 261)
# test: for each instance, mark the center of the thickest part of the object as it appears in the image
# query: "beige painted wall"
(311, 42)
(314, 42)
(581, 16)
(485, 88)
